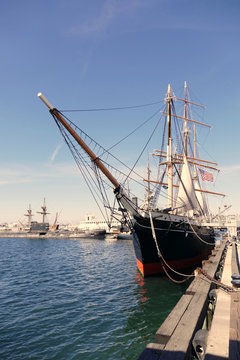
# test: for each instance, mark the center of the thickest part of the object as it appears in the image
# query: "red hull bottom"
(156, 267)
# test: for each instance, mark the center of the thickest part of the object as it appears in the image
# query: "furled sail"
(200, 196)
(187, 201)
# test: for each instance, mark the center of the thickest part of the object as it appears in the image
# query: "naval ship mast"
(44, 212)
(29, 216)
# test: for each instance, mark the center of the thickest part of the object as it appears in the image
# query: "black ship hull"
(182, 246)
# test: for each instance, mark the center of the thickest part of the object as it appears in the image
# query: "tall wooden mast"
(44, 210)
(185, 124)
(29, 215)
(80, 141)
(169, 149)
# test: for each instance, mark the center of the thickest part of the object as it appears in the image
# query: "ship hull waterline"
(182, 246)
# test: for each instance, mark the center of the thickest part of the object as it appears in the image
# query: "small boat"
(166, 237)
(84, 234)
(91, 223)
(111, 236)
(126, 235)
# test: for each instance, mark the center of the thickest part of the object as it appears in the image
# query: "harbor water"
(78, 299)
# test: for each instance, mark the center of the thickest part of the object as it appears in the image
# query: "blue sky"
(106, 53)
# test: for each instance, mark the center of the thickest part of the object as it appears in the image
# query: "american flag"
(206, 176)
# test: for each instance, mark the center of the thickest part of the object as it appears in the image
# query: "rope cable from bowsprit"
(174, 280)
(113, 108)
(162, 258)
(205, 242)
(205, 276)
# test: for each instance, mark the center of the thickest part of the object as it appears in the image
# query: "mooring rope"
(161, 256)
(174, 280)
(149, 227)
(205, 276)
(205, 242)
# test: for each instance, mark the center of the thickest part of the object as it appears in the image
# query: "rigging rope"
(143, 149)
(104, 151)
(132, 132)
(115, 108)
(78, 158)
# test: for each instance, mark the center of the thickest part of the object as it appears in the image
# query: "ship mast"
(79, 140)
(185, 121)
(169, 149)
(29, 215)
(44, 211)
(194, 150)
(148, 190)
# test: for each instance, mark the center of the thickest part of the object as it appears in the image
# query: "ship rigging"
(178, 233)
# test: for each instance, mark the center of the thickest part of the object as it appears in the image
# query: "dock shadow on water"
(155, 298)
(78, 299)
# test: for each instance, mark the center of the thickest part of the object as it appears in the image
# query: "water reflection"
(156, 296)
(142, 290)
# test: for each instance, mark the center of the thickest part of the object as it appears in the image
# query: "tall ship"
(35, 227)
(32, 229)
(168, 236)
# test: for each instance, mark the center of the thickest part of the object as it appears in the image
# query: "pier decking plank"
(167, 328)
(235, 259)
(234, 331)
(218, 339)
(152, 352)
(177, 331)
(180, 341)
(234, 334)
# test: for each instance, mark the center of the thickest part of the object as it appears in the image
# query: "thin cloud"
(14, 181)
(13, 175)
(231, 169)
(110, 10)
(55, 152)
(113, 9)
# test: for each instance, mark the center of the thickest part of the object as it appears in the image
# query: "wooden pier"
(205, 323)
